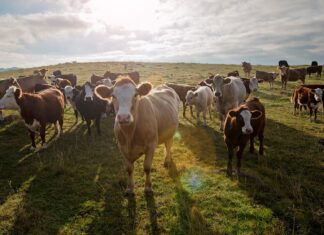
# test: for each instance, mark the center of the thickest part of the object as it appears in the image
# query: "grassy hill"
(76, 186)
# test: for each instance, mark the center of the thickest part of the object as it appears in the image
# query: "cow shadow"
(287, 178)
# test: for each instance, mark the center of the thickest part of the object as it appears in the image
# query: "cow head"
(68, 92)
(53, 79)
(125, 95)
(88, 91)
(9, 100)
(318, 94)
(253, 84)
(283, 70)
(243, 118)
(106, 82)
(218, 83)
(191, 97)
(274, 75)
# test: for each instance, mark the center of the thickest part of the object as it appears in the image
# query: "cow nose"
(123, 118)
(248, 131)
(217, 94)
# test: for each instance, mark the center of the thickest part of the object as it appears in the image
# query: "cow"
(71, 77)
(95, 79)
(234, 73)
(26, 83)
(37, 110)
(283, 63)
(267, 77)
(91, 106)
(59, 82)
(71, 93)
(242, 124)
(303, 96)
(181, 90)
(230, 92)
(41, 87)
(315, 69)
(288, 74)
(251, 85)
(105, 81)
(145, 118)
(314, 63)
(113, 76)
(202, 99)
(247, 67)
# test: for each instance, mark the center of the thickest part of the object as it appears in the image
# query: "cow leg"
(76, 116)
(97, 123)
(204, 117)
(261, 138)
(130, 172)
(88, 126)
(32, 138)
(184, 109)
(310, 113)
(229, 162)
(198, 114)
(191, 112)
(1, 115)
(239, 157)
(42, 135)
(251, 144)
(315, 114)
(221, 125)
(167, 160)
(147, 169)
(209, 111)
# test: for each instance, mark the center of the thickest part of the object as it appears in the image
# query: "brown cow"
(61, 83)
(71, 77)
(145, 118)
(241, 125)
(37, 110)
(303, 96)
(315, 69)
(94, 79)
(113, 76)
(234, 73)
(288, 74)
(267, 77)
(181, 90)
(247, 67)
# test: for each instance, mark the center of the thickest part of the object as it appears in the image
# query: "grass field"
(76, 186)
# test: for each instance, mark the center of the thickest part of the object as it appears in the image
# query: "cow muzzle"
(218, 94)
(124, 118)
(247, 131)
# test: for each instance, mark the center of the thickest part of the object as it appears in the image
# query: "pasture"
(76, 186)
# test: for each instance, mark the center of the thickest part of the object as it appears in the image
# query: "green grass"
(76, 186)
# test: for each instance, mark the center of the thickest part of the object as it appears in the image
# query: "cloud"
(206, 31)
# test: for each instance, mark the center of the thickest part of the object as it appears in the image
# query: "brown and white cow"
(234, 73)
(251, 85)
(37, 110)
(247, 68)
(59, 82)
(241, 125)
(288, 74)
(145, 118)
(267, 77)
(181, 90)
(70, 76)
(202, 99)
(303, 96)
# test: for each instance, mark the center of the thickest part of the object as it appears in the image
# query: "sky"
(44, 32)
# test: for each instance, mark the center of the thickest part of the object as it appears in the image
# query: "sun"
(129, 14)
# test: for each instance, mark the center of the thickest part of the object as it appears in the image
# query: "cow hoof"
(32, 148)
(129, 193)
(148, 190)
(44, 146)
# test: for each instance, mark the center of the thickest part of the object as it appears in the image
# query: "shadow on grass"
(288, 179)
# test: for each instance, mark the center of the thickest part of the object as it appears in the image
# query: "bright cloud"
(207, 31)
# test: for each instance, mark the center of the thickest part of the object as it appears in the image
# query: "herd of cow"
(145, 116)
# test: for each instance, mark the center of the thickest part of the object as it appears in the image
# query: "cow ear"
(232, 113)
(144, 88)
(105, 90)
(227, 80)
(256, 114)
(195, 94)
(18, 93)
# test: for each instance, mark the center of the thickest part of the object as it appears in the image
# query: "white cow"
(230, 92)
(202, 99)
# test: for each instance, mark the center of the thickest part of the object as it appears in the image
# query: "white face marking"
(53, 79)
(8, 101)
(88, 92)
(124, 95)
(246, 115)
(68, 91)
(217, 85)
(34, 126)
(318, 94)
